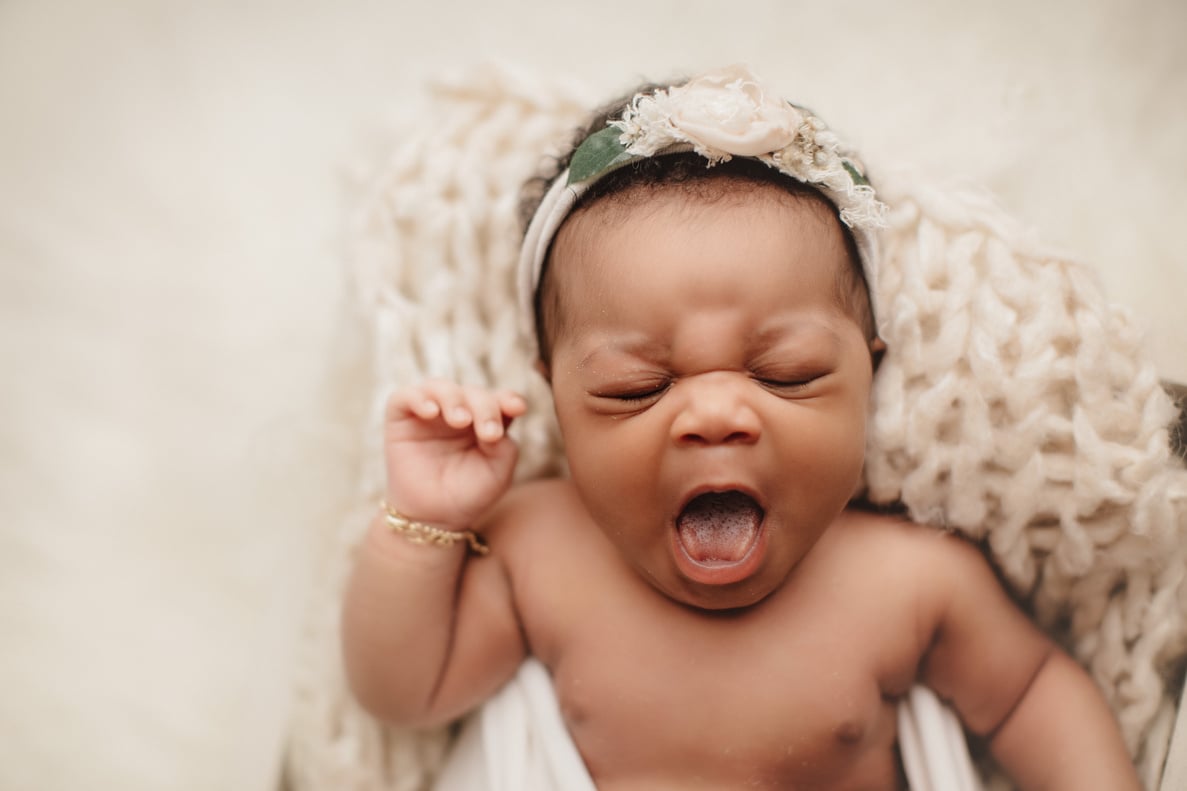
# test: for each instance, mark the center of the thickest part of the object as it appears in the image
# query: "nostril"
(713, 438)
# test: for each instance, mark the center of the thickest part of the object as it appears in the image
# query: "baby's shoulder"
(898, 531)
(894, 545)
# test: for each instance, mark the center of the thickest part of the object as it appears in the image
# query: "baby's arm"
(1046, 721)
(427, 631)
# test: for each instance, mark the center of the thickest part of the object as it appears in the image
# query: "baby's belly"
(690, 769)
(662, 783)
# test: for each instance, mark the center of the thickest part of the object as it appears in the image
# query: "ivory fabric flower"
(721, 114)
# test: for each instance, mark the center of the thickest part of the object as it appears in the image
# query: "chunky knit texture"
(1015, 406)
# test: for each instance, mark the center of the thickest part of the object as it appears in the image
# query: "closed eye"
(633, 391)
(788, 386)
(635, 395)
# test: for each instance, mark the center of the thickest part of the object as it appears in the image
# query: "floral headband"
(718, 115)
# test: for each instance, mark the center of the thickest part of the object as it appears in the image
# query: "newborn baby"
(713, 612)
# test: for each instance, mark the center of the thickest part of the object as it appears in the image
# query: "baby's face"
(710, 388)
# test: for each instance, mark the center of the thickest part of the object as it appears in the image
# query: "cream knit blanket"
(1015, 406)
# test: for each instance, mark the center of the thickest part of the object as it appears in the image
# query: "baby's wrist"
(438, 517)
(430, 533)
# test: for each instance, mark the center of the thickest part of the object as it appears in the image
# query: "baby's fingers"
(512, 405)
(418, 402)
(458, 407)
(493, 411)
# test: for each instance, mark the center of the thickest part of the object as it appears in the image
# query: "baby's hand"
(447, 451)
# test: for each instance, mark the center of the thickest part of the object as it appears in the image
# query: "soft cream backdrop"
(170, 290)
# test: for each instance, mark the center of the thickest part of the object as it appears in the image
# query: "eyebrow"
(634, 347)
(772, 332)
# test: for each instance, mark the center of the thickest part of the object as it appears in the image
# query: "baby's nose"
(715, 410)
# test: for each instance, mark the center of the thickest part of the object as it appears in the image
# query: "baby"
(713, 613)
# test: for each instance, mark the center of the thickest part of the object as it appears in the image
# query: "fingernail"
(492, 428)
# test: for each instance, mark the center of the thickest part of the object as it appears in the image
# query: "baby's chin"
(739, 595)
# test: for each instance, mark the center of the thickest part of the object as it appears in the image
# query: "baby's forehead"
(693, 205)
(656, 239)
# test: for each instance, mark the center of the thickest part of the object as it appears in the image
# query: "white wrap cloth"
(518, 742)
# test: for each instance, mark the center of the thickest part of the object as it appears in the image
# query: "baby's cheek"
(593, 469)
(828, 458)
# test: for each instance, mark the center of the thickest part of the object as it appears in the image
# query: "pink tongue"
(719, 526)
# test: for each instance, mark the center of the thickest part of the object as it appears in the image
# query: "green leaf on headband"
(598, 153)
(858, 179)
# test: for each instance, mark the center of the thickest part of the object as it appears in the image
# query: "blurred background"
(173, 207)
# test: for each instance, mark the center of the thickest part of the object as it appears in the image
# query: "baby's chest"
(769, 710)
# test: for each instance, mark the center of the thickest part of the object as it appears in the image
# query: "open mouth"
(719, 528)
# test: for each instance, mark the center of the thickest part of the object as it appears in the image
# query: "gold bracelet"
(420, 533)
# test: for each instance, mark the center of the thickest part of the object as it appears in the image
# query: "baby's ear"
(544, 369)
(877, 351)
